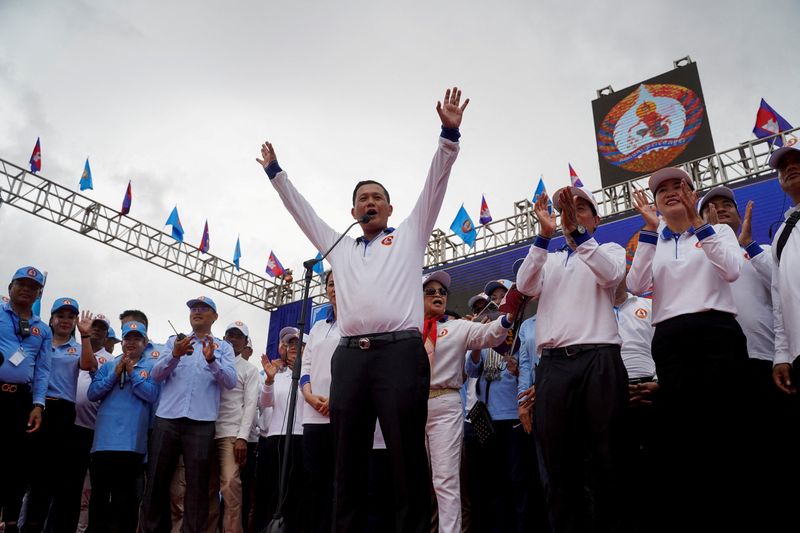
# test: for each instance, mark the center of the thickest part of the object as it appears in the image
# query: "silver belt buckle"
(363, 343)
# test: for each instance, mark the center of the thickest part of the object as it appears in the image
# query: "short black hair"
(370, 182)
(135, 314)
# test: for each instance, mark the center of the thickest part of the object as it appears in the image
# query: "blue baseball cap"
(112, 335)
(516, 266)
(61, 303)
(496, 284)
(136, 327)
(202, 300)
(29, 272)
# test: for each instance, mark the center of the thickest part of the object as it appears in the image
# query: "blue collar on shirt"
(366, 242)
(331, 317)
(668, 234)
(567, 249)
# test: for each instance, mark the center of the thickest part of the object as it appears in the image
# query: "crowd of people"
(653, 393)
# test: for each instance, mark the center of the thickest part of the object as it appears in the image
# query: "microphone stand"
(278, 524)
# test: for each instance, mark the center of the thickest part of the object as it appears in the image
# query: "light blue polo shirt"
(34, 369)
(64, 368)
(124, 414)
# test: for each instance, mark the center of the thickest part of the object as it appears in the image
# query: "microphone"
(122, 376)
(364, 219)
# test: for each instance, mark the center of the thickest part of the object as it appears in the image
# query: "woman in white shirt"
(699, 350)
(275, 393)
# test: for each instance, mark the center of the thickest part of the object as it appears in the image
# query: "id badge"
(18, 357)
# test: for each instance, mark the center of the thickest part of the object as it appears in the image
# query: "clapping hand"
(270, 369)
(746, 232)
(647, 210)
(547, 220)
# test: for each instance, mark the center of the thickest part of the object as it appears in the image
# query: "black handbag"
(481, 419)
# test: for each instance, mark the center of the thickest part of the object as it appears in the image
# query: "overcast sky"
(177, 96)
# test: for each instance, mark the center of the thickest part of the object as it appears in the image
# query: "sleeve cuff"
(273, 168)
(304, 379)
(705, 231)
(648, 237)
(580, 238)
(451, 134)
(542, 242)
(753, 249)
(504, 322)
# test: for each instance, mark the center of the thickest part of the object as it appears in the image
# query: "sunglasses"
(434, 292)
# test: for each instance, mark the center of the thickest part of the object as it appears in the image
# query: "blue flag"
(86, 177)
(464, 228)
(540, 190)
(237, 254)
(769, 122)
(175, 221)
(319, 268)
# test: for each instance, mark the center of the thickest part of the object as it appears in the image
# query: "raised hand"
(547, 220)
(746, 232)
(183, 347)
(449, 113)
(689, 200)
(268, 154)
(85, 323)
(642, 205)
(569, 213)
(270, 369)
(208, 348)
(711, 214)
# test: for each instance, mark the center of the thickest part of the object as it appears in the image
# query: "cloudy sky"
(177, 97)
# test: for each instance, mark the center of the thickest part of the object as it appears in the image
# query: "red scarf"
(429, 337)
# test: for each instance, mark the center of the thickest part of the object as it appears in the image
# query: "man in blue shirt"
(25, 346)
(126, 393)
(185, 417)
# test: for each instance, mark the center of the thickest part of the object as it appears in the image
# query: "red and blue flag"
(769, 122)
(274, 267)
(486, 215)
(573, 177)
(36, 157)
(205, 242)
(126, 202)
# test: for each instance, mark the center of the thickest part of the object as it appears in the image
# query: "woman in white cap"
(446, 342)
(698, 347)
(275, 393)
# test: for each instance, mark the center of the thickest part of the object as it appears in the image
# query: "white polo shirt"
(689, 273)
(86, 411)
(238, 406)
(453, 339)
(786, 295)
(636, 330)
(316, 365)
(575, 291)
(752, 293)
(371, 274)
(277, 397)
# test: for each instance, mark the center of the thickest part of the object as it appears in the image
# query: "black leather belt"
(12, 388)
(376, 340)
(572, 350)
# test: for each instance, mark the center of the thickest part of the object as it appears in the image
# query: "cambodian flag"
(205, 242)
(274, 267)
(237, 254)
(175, 221)
(573, 177)
(36, 157)
(126, 202)
(86, 177)
(769, 122)
(486, 216)
(463, 227)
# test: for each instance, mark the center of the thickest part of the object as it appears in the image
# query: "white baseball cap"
(580, 192)
(669, 173)
(241, 326)
(440, 275)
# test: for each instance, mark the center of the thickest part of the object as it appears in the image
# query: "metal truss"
(52, 202)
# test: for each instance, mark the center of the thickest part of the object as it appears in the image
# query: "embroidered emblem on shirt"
(443, 332)
(641, 313)
(143, 374)
(387, 241)
(747, 256)
(101, 360)
(154, 354)
(36, 331)
(72, 350)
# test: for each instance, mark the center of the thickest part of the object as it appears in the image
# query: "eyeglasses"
(434, 292)
(200, 309)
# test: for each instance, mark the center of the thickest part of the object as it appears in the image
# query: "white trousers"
(444, 433)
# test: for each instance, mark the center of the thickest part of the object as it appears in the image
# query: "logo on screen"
(650, 127)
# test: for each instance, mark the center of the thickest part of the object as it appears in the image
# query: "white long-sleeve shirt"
(786, 295)
(453, 339)
(316, 366)
(277, 397)
(386, 270)
(690, 274)
(575, 292)
(636, 329)
(752, 293)
(237, 406)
